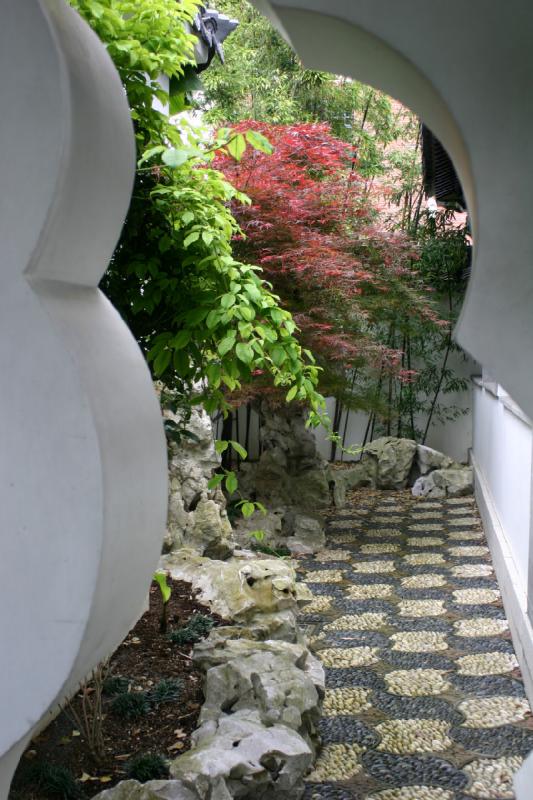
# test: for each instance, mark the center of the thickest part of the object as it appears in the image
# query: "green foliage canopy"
(203, 318)
(263, 79)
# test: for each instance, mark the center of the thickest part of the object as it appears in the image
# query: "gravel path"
(424, 699)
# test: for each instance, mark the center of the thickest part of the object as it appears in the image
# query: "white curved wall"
(83, 457)
(465, 68)
(81, 491)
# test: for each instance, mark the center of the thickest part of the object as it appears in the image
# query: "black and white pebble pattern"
(404, 567)
(347, 729)
(395, 770)
(327, 791)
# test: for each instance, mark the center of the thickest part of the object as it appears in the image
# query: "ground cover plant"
(151, 697)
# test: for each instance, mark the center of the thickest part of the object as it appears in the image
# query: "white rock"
(152, 790)
(445, 483)
(237, 756)
(283, 682)
(394, 460)
(239, 588)
(428, 459)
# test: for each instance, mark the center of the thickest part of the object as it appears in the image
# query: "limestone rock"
(282, 626)
(338, 495)
(194, 459)
(445, 483)
(300, 533)
(239, 588)
(271, 481)
(237, 756)
(362, 473)
(428, 459)
(216, 649)
(394, 460)
(270, 524)
(152, 790)
(284, 430)
(196, 516)
(290, 472)
(211, 529)
(282, 681)
(310, 490)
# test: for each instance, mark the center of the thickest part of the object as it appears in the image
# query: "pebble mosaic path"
(424, 698)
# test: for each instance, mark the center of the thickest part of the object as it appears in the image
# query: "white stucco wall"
(502, 450)
(452, 437)
(83, 459)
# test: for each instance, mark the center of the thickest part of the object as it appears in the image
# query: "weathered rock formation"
(197, 516)
(283, 682)
(290, 479)
(289, 473)
(287, 527)
(242, 589)
(152, 790)
(445, 483)
(263, 688)
(238, 756)
(392, 463)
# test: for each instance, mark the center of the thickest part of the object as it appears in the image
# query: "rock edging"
(258, 734)
(393, 463)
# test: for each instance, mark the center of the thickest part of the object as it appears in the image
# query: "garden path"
(424, 698)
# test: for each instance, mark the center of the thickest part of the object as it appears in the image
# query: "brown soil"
(145, 657)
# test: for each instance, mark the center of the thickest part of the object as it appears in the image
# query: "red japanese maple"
(320, 241)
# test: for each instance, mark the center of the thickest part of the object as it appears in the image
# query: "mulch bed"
(145, 658)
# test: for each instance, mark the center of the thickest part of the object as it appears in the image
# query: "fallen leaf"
(180, 733)
(177, 746)
(75, 733)
(85, 777)
(123, 757)
(64, 740)
(106, 778)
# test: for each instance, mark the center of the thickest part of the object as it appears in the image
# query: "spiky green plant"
(130, 705)
(147, 767)
(115, 684)
(166, 691)
(52, 780)
(198, 627)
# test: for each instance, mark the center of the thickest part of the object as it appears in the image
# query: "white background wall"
(503, 443)
(453, 438)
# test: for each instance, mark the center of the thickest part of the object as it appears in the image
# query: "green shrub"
(130, 705)
(166, 691)
(52, 780)
(115, 685)
(198, 627)
(147, 767)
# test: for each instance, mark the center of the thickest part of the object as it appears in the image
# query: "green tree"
(263, 79)
(203, 318)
